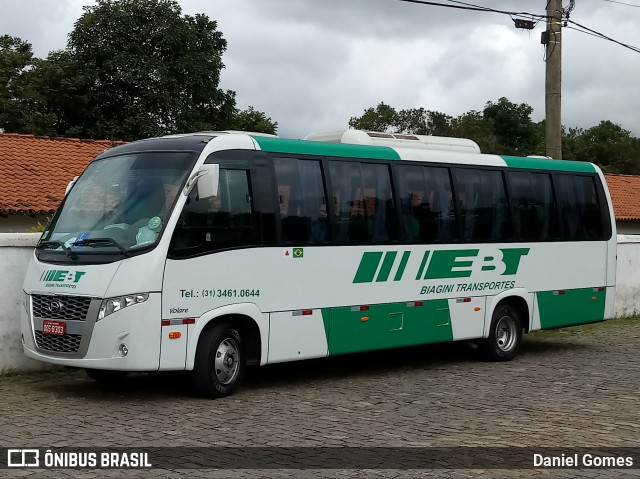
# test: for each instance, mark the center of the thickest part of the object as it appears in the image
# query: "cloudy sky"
(312, 64)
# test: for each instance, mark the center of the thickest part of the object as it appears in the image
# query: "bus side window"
(428, 215)
(223, 221)
(580, 211)
(302, 200)
(483, 205)
(534, 206)
(362, 195)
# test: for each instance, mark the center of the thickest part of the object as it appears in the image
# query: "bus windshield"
(119, 205)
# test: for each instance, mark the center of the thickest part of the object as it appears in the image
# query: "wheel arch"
(519, 299)
(252, 324)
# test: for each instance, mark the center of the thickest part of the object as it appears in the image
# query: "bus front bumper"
(127, 340)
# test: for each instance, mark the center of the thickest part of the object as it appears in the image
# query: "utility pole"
(553, 81)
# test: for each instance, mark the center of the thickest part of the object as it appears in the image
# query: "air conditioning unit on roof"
(398, 140)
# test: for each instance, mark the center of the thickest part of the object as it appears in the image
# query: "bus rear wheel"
(505, 335)
(219, 362)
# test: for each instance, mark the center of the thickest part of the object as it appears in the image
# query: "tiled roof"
(35, 171)
(625, 196)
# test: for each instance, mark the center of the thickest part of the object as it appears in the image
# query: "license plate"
(53, 327)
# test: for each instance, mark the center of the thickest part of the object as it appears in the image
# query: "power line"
(602, 36)
(623, 3)
(474, 8)
(459, 5)
(469, 5)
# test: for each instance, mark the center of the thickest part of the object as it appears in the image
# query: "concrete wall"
(22, 223)
(628, 227)
(15, 251)
(17, 248)
(628, 276)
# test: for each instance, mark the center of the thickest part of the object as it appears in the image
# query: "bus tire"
(219, 362)
(505, 335)
(106, 376)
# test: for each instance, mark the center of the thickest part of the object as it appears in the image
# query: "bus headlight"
(111, 305)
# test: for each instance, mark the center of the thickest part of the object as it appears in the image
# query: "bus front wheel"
(505, 335)
(219, 362)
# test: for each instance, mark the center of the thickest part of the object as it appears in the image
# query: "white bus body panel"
(295, 335)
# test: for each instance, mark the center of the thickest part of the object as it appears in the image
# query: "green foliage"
(381, 118)
(252, 120)
(20, 102)
(39, 227)
(417, 121)
(472, 124)
(515, 132)
(59, 83)
(504, 127)
(148, 70)
(132, 69)
(608, 145)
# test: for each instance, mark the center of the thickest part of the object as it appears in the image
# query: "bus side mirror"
(208, 180)
(70, 185)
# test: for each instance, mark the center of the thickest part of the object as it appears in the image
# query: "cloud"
(311, 65)
(43, 23)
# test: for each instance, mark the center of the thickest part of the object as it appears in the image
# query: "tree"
(381, 118)
(502, 127)
(416, 121)
(252, 120)
(20, 103)
(474, 126)
(608, 145)
(59, 84)
(513, 128)
(146, 70)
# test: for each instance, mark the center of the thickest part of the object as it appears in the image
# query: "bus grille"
(68, 343)
(67, 308)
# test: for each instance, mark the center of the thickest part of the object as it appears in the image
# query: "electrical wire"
(469, 5)
(623, 3)
(473, 8)
(459, 5)
(583, 29)
(567, 11)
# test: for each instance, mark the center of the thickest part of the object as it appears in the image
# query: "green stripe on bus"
(387, 264)
(570, 307)
(301, 147)
(384, 326)
(548, 164)
(423, 264)
(326, 320)
(368, 267)
(403, 265)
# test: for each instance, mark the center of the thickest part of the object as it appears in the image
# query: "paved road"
(566, 389)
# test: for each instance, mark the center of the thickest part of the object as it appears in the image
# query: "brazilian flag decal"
(298, 252)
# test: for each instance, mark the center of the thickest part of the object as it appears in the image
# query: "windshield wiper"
(70, 254)
(93, 242)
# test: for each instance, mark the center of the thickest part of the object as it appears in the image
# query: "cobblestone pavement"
(566, 389)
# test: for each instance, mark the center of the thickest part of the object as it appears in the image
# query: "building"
(34, 173)
(625, 195)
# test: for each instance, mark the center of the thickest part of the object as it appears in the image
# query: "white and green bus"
(211, 252)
